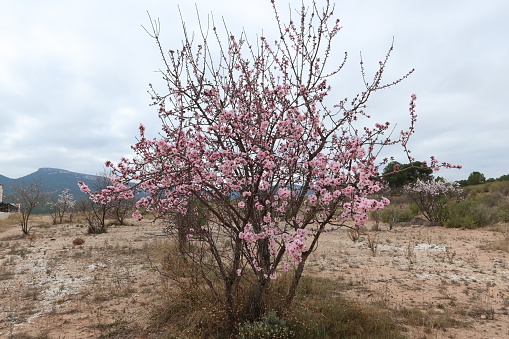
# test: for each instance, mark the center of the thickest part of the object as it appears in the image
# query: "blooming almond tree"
(253, 136)
(63, 204)
(432, 196)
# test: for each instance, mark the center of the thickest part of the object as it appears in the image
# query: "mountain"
(53, 181)
(5, 181)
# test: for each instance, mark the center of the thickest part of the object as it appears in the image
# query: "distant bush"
(503, 211)
(460, 222)
(469, 207)
(394, 214)
(501, 187)
(477, 211)
(492, 199)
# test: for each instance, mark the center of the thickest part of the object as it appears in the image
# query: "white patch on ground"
(430, 247)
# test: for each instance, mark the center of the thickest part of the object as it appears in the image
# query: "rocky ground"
(53, 287)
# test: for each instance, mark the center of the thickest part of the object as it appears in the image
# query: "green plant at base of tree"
(270, 327)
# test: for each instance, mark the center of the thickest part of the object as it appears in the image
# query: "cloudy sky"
(74, 74)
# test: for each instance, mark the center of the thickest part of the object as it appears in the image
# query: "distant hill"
(5, 181)
(53, 181)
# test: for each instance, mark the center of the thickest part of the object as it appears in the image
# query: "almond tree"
(63, 204)
(254, 134)
(97, 212)
(121, 210)
(27, 197)
(432, 196)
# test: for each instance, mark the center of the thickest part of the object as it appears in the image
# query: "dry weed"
(373, 243)
(354, 234)
(410, 252)
(78, 241)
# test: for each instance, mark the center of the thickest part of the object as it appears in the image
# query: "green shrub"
(460, 222)
(501, 187)
(491, 199)
(414, 208)
(269, 327)
(474, 212)
(503, 212)
(395, 214)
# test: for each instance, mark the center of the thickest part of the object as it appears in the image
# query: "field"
(434, 282)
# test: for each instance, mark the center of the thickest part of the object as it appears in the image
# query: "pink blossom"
(137, 215)
(283, 193)
(84, 188)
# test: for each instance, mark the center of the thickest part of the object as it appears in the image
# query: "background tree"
(122, 209)
(61, 205)
(398, 175)
(96, 213)
(476, 178)
(504, 177)
(27, 196)
(250, 134)
(432, 196)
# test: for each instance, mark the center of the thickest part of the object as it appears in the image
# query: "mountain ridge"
(53, 181)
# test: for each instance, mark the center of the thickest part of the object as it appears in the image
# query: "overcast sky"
(74, 75)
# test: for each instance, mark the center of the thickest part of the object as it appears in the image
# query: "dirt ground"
(105, 287)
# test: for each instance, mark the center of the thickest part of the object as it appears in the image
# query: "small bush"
(78, 241)
(395, 214)
(490, 199)
(500, 187)
(269, 327)
(460, 222)
(503, 212)
(474, 212)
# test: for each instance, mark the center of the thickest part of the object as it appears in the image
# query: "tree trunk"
(295, 281)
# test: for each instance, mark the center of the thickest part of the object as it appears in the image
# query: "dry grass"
(42, 335)
(319, 311)
(502, 244)
(7, 223)
(428, 320)
(372, 242)
(6, 273)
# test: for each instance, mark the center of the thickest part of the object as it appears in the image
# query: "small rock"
(484, 317)
(353, 265)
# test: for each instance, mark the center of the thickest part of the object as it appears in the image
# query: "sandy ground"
(50, 287)
(434, 269)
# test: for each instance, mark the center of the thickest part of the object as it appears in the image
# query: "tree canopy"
(398, 175)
